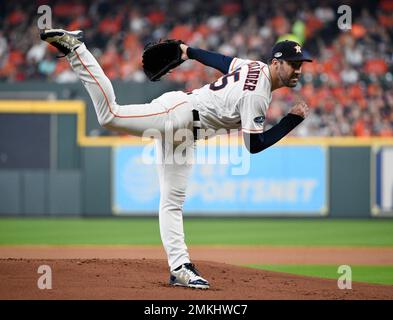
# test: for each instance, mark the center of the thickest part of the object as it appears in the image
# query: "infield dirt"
(100, 273)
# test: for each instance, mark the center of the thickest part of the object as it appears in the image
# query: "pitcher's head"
(286, 60)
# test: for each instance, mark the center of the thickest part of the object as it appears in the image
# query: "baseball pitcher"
(237, 100)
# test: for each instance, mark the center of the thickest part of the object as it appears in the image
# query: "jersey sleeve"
(252, 109)
(237, 63)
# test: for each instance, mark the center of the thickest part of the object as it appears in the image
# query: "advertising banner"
(283, 180)
(383, 191)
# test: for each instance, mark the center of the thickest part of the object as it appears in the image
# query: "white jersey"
(237, 100)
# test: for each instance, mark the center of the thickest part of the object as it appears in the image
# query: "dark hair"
(270, 60)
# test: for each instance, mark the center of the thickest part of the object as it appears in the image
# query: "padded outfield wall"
(49, 165)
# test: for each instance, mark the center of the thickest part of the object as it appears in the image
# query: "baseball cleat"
(65, 41)
(188, 276)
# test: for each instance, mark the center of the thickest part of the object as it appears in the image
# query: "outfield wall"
(49, 165)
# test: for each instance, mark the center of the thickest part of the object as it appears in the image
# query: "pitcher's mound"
(148, 280)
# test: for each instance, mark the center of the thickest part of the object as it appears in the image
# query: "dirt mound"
(146, 279)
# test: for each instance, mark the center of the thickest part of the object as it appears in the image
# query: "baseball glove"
(160, 57)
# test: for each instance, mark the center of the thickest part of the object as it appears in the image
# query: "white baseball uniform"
(238, 100)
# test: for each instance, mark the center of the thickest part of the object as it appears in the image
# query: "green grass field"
(225, 231)
(291, 232)
(370, 274)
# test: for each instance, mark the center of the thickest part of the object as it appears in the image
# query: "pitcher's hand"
(300, 109)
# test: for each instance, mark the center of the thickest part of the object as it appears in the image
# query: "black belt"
(196, 123)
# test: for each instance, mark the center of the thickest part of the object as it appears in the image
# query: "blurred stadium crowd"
(349, 85)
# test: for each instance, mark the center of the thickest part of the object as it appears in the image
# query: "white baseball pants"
(171, 109)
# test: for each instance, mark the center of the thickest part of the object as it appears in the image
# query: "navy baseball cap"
(290, 51)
